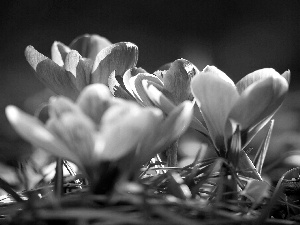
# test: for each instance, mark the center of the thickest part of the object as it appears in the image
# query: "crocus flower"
(174, 82)
(249, 104)
(101, 128)
(164, 89)
(69, 72)
(88, 46)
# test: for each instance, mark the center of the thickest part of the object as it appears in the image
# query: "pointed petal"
(60, 105)
(76, 131)
(116, 89)
(260, 156)
(248, 135)
(59, 52)
(35, 132)
(162, 102)
(138, 89)
(120, 129)
(246, 167)
(51, 74)
(258, 101)
(131, 73)
(287, 76)
(78, 68)
(71, 62)
(89, 45)
(94, 100)
(216, 93)
(177, 80)
(255, 76)
(119, 57)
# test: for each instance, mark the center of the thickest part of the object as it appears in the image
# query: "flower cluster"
(120, 109)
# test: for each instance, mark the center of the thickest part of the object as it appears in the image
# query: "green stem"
(172, 154)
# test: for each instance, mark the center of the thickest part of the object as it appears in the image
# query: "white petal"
(216, 93)
(258, 101)
(255, 76)
(122, 127)
(34, 131)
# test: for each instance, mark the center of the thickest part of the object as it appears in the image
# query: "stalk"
(172, 154)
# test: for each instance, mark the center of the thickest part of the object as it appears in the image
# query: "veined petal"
(60, 105)
(83, 73)
(76, 131)
(79, 68)
(177, 80)
(32, 130)
(51, 74)
(119, 57)
(89, 45)
(138, 89)
(258, 101)
(121, 131)
(255, 76)
(116, 89)
(94, 100)
(59, 52)
(216, 93)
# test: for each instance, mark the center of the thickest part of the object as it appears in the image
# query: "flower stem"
(172, 154)
(58, 185)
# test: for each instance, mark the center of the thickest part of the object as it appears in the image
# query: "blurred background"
(236, 36)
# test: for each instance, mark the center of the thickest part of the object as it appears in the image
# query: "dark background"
(236, 36)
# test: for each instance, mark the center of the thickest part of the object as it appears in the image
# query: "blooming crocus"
(174, 83)
(69, 72)
(249, 104)
(100, 128)
(163, 89)
(88, 46)
(172, 87)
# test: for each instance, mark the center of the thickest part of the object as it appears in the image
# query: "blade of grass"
(215, 166)
(6, 187)
(260, 156)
